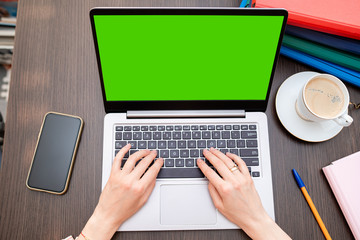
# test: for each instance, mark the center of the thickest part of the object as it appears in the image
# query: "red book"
(331, 16)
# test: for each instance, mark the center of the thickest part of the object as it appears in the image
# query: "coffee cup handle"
(344, 120)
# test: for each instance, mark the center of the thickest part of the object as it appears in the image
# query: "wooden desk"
(55, 69)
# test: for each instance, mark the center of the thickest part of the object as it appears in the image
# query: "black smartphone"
(55, 151)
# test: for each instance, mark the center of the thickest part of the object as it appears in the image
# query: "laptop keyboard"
(181, 145)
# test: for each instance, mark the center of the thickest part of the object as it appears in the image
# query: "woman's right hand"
(235, 196)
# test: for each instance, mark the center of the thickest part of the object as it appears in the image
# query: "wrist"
(99, 228)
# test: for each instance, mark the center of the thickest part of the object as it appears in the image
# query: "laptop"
(180, 80)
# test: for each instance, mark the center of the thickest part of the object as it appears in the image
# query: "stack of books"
(7, 30)
(324, 34)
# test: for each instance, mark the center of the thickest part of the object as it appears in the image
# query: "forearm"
(267, 229)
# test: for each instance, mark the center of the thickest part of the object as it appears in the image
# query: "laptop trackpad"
(186, 205)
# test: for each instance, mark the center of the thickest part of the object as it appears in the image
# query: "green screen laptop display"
(186, 57)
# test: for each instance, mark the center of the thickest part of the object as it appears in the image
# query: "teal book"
(328, 54)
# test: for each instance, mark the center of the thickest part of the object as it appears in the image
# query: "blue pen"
(311, 204)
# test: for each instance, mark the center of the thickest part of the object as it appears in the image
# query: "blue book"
(338, 42)
(345, 74)
(246, 3)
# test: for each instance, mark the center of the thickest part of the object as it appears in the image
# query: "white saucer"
(285, 108)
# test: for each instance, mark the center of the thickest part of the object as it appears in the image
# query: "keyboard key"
(116, 152)
(136, 128)
(178, 128)
(177, 135)
(162, 144)
(235, 134)
(127, 128)
(240, 143)
(256, 174)
(164, 153)
(132, 151)
(167, 135)
(201, 144)
(234, 151)
(231, 143)
(189, 162)
(251, 161)
(152, 145)
(211, 143)
(191, 144)
(133, 144)
(252, 127)
(203, 127)
(186, 127)
(219, 127)
(216, 135)
(179, 162)
(184, 153)
(127, 136)
(161, 128)
(169, 162)
(157, 135)
(225, 134)
(181, 144)
(248, 134)
(206, 135)
(153, 128)
(211, 127)
(118, 136)
(174, 153)
(244, 127)
(227, 127)
(224, 151)
(194, 153)
(180, 173)
(236, 127)
(144, 128)
(142, 145)
(120, 144)
(249, 153)
(196, 135)
(147, 135)
(194, 127)
(186, 135)
(221, 143)
(251, 143)
(119, 128)
(169, 128)
(171, 144)
(137, 136)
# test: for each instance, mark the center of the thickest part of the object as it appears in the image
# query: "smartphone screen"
(55, 152)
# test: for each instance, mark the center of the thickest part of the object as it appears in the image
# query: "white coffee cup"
(324, 98)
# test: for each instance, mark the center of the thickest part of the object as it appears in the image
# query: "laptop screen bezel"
(247, 105)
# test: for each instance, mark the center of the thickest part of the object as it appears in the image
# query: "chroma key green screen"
(186, 57)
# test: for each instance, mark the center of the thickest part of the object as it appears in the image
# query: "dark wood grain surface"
(54, 69)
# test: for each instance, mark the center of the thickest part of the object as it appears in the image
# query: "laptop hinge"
(187, 114)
